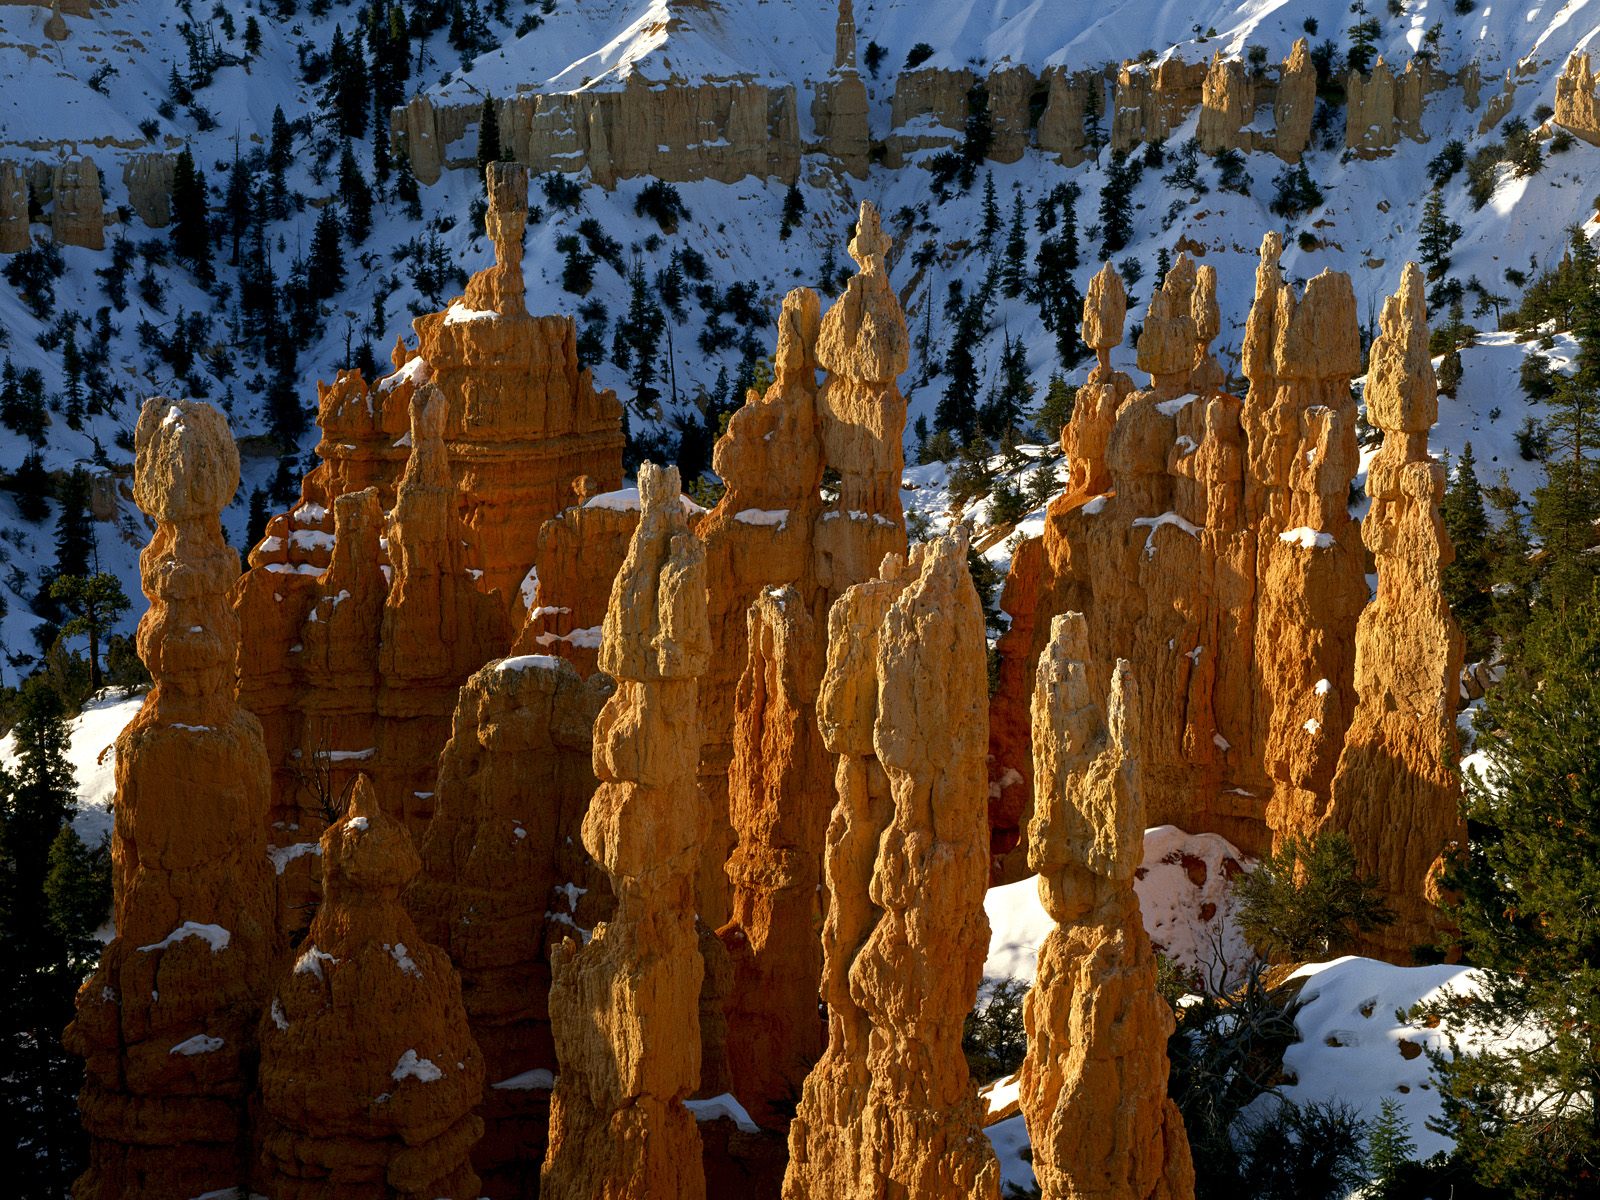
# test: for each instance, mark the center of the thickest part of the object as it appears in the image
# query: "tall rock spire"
(1094, 1082)
(167, 1023)
(1395, 792)
(844, 38)
(625, 1008)
(891, 1109)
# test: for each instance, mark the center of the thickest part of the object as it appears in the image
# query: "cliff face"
(624, 1009)
(1395, 792)
(1577, 106)
(1382, 108)
(369, 1075)
(503, 881)
(167, 1023)
(1208, 541)
(890, 1107)
(1094, 1082)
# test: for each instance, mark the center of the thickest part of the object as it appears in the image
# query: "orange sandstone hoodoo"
(624, 1008)
(167, 1023)
(891, 1109)
(369, 1075)
(1094, 1082)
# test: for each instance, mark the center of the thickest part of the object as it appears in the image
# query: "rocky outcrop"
(839, 102)
(1382, 108)
(14, 234)
(1068, 97)
(469, 445)
(369, 1075)
(1295, 105)
(1499, 106)
(890, 1108)
(1227, 104)
(724, 130)
(166, 1025)
(77, 211)
(927, 111)
(1394, 792)
(1094, 1082)
(624, 1008)
(1577, 106)
(503, 880)
(1150, 101)
(148, 178)
(779, 770)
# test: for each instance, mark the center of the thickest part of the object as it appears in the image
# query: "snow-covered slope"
(103, 90)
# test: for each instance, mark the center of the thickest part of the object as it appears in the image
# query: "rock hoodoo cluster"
(625, 1007)
(1577, 105)
(167, 1023)
(1094, 1082)
(1212, 547)
(890, 1108)
(369, 1075)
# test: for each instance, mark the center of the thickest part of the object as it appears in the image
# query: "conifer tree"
(1116, 208)
(1390, 1150)
(991, 217)
(191, 232)
(95, 603)
(31, 484)
(72, 373)
(326, 269)
(38, 1080)
(1014, 262)
(280, 153)
(346, 95)
(794, 207)
(237, 207)
(1467, 579)
(957, 410)
(1522, 1103)
(356, 197)
(1003, 412)
(488, 134)
(22, 406)
(75, 546)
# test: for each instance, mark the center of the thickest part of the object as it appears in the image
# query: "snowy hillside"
(106, 91)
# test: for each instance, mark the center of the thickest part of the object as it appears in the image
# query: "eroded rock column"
(625, 1008)
(369, 1075)
(1094, 1082)
(167, 1023)
(891, 1108)
(1395, 791)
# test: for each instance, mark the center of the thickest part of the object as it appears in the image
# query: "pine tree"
(30, 483)
(1522, 1104)
(72, 373)
(356, 197)
(488, 134)
(38, 1080)
(191, 232)
(326, 268)
(1014, 263)
(95, 603)
(256, 524)
(1003, 413)
(1390, 1150)
(991, 217)
(1056, 410)
(77, 890)
(22, 405)
(1438, 236)
(1306, 901)
(346, 95)
(957, 410)
(1468, 579)
(237, 206)
(75, 546)
(794, 207)
(280, 153)
(1116, 208)
(252, 37)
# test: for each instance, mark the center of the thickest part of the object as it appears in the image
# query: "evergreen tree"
(1014, 263)
(1568, 505)
(72, 373)
(191, 232)
(356, 197)
(346, 95)
(38, 1080)
(640, 332)
(22, 406)
(1056, 410)
(957, 410)
(280, 153)
(95, 603)
(794, 207)
(31, 485)
(1003, 413)
(1305, 901)
(1390, 1150)
(252, 37)
(256, 524)
(75, 546)
(77, 889)
(991, 217)
(488, 134)
(325, 272)
(1522, 1105)
(1467, 580)
(238, 206)
(1116, 207)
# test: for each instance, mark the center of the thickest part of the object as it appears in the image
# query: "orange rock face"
(167, 1023)
(1208, 541)
(890, 1108)
(369, 1075)
(1094, 1082)
(515, 422)
(1394, 792)
(503, 880)
(624, 1009)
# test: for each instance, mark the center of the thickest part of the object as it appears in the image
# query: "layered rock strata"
(1394, 791)
(1382, 108)
(839, 104)
(890, 1108)
(1577, 106)
(166, 1025)
(503, 880)
(77, 211)
(624, 1007)
(14, 233)
(369, 1074)
(1094, 1082)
